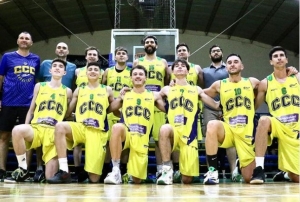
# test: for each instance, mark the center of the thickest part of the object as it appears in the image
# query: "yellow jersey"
(91, 107)
(51, 104)
(118, 80)
(138, 116)
(183, 111)
(156, 73)
(237, 101)
(283, 100)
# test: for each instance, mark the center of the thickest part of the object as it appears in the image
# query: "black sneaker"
(61, 177)
(258, 176)
(279, 177)
(2, 175)
(83, 176)
(19, 175)
(39, 176)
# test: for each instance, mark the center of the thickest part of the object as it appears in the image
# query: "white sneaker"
(166, 176)
(236, 176)
(113, 177)
(211, 177)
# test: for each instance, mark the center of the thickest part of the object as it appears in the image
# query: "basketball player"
(90, 128)
(134, 128)
(91, 55)
(237, 98)
(281, 92)
(194, 77)
(116, 77)
(48, 106)
(158, 77)
(182, 131)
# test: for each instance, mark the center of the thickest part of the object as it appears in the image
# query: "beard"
(150, 51)
(217, 59)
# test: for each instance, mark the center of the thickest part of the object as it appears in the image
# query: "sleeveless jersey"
(20, 73)
(91, 107)
(237, 100)
(118, 80)
(192, 77)
(283, 101)
(138, 116)
(183, 111)
(51, 104)
(156, 73)
(82, 79)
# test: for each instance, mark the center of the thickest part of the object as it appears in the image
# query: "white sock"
(260, 161)
(63, 164)
(286, 176)
(39, 168)
(158, 167)
(22, 161)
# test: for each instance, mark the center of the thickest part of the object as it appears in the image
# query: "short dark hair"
(182, 61)
(120, 48)
(182, 44)
(91, 48)
(214, 47)
(276, 48)
(59, 60)
(149, 37)
(94, 64)
(25, 32)
(138, 67)
(233, 54)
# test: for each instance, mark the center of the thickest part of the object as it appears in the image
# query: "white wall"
(254, 56)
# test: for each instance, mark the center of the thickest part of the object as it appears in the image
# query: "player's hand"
(291, 70)
(123, 92)
(172, 82)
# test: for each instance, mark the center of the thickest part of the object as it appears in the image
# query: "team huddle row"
(123, 106)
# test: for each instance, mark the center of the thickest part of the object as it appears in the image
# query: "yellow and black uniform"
(91, 126)
(237, 100)
(155, 82)
(82, 79)
(117, 80)
(192, 79)
(138, 117)
(51, 107)
(182, 116)
(284, 105)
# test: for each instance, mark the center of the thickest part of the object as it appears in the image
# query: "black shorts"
(10, 115)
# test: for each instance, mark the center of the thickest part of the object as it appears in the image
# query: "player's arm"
(104, 77)
(207, 99)
(200, 76)
(73, 103)
(69, 95)
(261, 93)
(110, 94)
(213, 90)
(168, 73)
(298, 77)
(1, 81)
(291, 70)
(255, 83)
(2, 74)
(159, 102)
(118, 102)
(32, 107)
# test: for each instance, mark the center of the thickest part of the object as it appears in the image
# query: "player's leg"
(261, 143)
(166, 141)
(20, 134)
(115, 144)
(215, 134)
(8, 116)
(63, 132)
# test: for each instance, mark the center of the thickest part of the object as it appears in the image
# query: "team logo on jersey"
(293, 85)
(24, 73)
